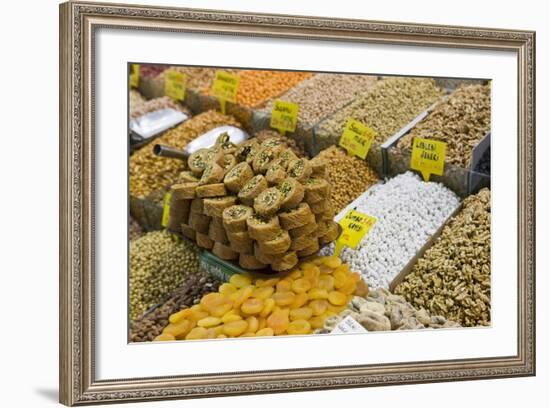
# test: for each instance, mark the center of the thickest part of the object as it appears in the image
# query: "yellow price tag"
(174, 85)
(166, 212)
(134, 75)
(428, 157)
(354, 227)
(225, 88)
(284, 116)
(357, 138)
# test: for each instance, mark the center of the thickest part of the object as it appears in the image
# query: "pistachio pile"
(386, 108)
(257, 203)
(324, 94)
(461, 121)
(159, 263)
(194, 287)
(453, 277)
(296, 146)
(348, 175)
(152, 105)
(382, 311)
(149, 172)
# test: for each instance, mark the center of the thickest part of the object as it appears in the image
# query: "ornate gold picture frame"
(78, 23)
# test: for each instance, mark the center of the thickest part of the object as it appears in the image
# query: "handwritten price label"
(225, 86)
(357, 138)
(134, 75)
(354, 227)
(428, 157)
(174, 85)
(166, 212)
(284, 116)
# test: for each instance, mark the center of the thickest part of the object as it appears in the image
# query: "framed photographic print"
(257, 203)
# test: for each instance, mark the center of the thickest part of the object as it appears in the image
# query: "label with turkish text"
(174, 85)
(284, 116)
(428, 157)
(357, 138)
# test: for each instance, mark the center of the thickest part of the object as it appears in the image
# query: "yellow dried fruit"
(197, 333)
(252, 306)
(318, 306)
(253, 324)
(263, 292)
(269, 305)
(182, 314)
(267, 331)
(337, 298)
(227, 288)
(301, 285)
(284, 285)
(231, 317)
(317, 293)
(326, 282)
(299, 327)
(283, 298)
(241, 295)
(209, 322)
(299, 300)
(278, 321)
(240, 281)
(332, 261)
(234, 329)
(301, 313)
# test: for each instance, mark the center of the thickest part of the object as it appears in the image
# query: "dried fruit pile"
(453, 278)
(296, 304)
(461, 121)
(256, 203)
(149, 172)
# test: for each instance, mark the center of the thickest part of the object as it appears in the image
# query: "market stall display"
(247, 307)
(453, 278)
(256, 236)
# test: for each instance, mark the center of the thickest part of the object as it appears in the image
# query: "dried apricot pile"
(298, 303)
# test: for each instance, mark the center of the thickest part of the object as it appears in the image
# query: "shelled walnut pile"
(257, 203)
(453, 277)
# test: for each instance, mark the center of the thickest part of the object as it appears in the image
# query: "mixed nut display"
(265, 235)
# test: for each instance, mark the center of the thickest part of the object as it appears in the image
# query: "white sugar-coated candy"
(408, 213)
